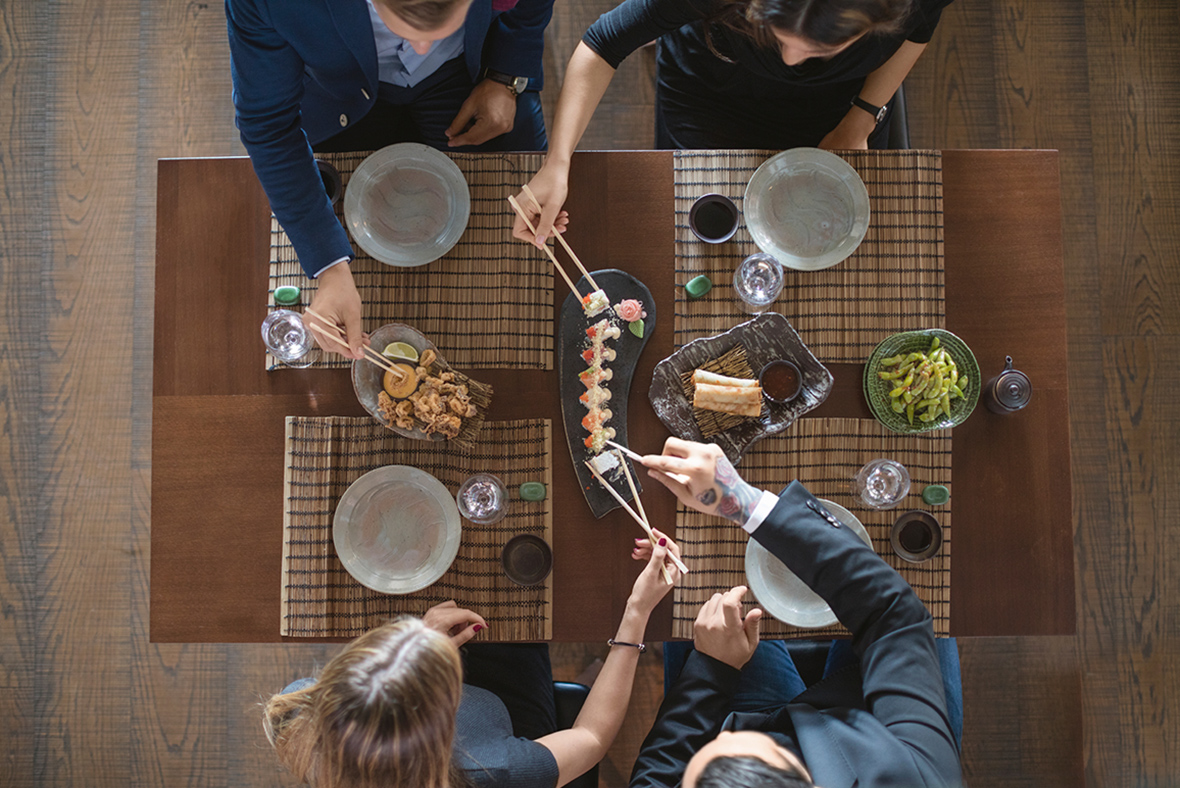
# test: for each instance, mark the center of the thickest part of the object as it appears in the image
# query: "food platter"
(780, 591)
(396, 529)
(768, 337)
(877, 392)
(571, 343)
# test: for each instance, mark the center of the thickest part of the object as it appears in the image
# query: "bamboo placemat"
(487, 303)
(823, 454)
(324, 455)
(893, 281)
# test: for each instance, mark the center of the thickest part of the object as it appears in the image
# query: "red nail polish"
(478, 627)
(663, 542)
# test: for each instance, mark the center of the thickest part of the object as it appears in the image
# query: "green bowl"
(877, 390)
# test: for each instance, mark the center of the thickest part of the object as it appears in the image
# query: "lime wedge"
(400, 350)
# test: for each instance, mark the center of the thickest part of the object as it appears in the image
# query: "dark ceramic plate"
(766, 338)
(571, 341)
(877, 390)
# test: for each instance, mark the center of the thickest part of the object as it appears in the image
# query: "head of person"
(804, 29)
(422, 22)
(745, 759)
(381, 713)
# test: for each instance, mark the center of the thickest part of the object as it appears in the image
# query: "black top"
(488, 752)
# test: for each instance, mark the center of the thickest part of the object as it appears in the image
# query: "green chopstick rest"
(287, 295)
(532, 491)
(698, 286)
(935, 495)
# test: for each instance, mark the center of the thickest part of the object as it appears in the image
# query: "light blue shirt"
(398, 63)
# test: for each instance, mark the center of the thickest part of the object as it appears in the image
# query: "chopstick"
(529, 193)
(625, 450)
(639, 502)
(548, 251)
(642, 522)
(370, 354)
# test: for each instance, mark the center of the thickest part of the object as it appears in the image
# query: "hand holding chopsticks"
(338, 337)
(520, 212)
(533, 198)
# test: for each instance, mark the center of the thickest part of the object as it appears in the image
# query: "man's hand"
(851, 133)
(455, 622)
(703, 479)
(338, 301)
(720, 631)
(550, 186)
(490, 111)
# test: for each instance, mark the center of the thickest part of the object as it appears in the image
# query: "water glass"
(287, 338)
(483, 499)
(757, 282)
(881, 484)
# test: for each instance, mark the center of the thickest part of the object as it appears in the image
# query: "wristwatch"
(877, 112)
(515, 85)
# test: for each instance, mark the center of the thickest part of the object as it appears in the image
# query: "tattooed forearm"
(738, 499)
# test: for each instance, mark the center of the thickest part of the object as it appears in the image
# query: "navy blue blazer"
(303, 70)
(884, 725)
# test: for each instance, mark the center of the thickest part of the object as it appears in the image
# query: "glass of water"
(287, 338)
(757, 282)
(483, 499)
(881, 484)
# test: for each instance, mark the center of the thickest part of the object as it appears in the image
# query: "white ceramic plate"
(781, 593)
(407, 204)
(807, 207)
(397, 529)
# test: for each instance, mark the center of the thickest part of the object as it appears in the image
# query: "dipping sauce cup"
(781, 381)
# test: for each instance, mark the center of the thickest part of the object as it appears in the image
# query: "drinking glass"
(757, 282)
(881, 484)
(287, 338)
(483, 499)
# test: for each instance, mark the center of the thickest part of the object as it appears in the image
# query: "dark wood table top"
(218, 416)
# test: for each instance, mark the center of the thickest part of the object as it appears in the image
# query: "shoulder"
(488, 752)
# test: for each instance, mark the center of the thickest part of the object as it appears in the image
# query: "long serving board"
(571, 341)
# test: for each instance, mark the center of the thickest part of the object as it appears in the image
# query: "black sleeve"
(924, 19)
(633, 23)
(689, 718)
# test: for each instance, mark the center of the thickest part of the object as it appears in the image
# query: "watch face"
(519, 84)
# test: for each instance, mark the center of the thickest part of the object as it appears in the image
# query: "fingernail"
(478, 627)
(540, 241)
(663, 542)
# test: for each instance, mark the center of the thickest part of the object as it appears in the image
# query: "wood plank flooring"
(97, 90)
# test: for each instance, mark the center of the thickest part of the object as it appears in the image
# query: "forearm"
(880, 85)
(586, 80)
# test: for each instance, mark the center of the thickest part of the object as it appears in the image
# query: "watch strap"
(515, 85)
(878, 113)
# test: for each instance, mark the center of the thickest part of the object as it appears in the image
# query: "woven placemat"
(823, 454)
(893, 281)
(487, 303)
(325, 455)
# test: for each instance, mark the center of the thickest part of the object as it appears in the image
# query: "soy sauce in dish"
(915, 536)
(780, 380)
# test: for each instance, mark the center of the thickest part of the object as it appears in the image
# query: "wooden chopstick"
(520, 212)
(642, 522)
(529, 193)
(625, 450)
(639, 503)
(370, 354)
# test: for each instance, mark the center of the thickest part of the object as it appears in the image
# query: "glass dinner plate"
(397, 529)
(407, 204)
(807, 207)
(780, 591)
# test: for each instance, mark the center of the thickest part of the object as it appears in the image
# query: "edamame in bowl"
(918, 381)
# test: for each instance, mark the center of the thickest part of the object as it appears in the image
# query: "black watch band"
(515, 85)
(878, 113)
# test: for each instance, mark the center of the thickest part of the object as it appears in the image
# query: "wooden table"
(217, 438)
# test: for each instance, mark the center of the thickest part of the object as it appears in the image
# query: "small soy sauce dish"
(713, 218)
(916, 536)
(781, 381)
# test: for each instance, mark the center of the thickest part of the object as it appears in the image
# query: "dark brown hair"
(424, 15)
(827, 22)
(381, 714)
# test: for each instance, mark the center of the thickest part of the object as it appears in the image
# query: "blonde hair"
(382, 713)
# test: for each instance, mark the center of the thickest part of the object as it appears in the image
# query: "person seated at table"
(339, 75)
(738, 713)
(772, 74)
(400, 706)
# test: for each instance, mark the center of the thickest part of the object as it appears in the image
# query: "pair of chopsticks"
(370, 354)
(640, 518)
(520, 212)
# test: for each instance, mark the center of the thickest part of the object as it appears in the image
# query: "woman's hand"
(457, 623)
(851, 133)
(650, 587)
(550, 186)
(703, 479)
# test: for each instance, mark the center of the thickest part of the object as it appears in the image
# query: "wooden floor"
(95, 91)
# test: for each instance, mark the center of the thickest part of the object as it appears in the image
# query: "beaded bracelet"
(612, 642)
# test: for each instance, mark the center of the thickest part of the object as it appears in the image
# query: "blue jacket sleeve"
(891, 628)
(516, 41)
(267, 90)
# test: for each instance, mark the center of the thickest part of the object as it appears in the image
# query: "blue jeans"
(770, 680)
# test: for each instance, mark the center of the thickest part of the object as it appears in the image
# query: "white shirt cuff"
(767, 502)
(320, 272)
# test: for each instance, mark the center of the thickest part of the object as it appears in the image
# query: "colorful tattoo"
(738, 499)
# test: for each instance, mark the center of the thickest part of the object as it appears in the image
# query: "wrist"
(634, 621)
(338, 272)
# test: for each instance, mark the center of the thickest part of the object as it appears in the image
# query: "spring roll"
(743, 400)
(701, 376)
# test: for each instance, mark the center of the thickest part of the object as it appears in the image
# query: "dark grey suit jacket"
(885, 725)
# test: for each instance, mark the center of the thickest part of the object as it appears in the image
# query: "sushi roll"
(595, 303)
